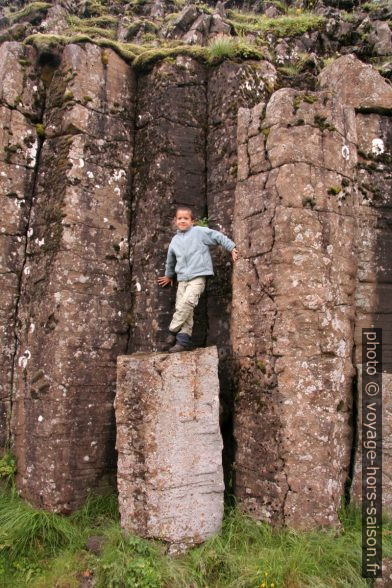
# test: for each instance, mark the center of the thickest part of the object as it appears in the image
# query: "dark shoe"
(177, 348)
(171, 338)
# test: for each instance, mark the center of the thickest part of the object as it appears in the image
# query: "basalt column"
(293, 307)
(75, 288)
(170, 478)
(361, 87)
(21, 104)
(230, 86)
(169, 169)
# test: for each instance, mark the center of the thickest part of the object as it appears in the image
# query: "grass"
(144, 58)
(217, 51)
(127, 51)
(289, 25)
(95, 32)
(105, 21)
(41, 549)
(33, 7)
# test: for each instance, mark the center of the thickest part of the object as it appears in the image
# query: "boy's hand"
(165, 280)
(234, 254)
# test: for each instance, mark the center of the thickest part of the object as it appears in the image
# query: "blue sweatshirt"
(189, 255)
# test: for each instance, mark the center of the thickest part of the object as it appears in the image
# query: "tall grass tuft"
(24, 529)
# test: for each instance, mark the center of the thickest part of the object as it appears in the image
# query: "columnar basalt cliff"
(75, 281)
(298, 296)
(113, 113)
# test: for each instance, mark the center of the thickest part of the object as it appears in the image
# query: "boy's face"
(183, 220)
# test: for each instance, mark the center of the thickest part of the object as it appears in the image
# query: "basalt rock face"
(75, 282)
(108, 158)
(170, 477)
(97, 153)
(372, 99)
(21, 93)
(169, 169)
(293, 299)
(304, 287)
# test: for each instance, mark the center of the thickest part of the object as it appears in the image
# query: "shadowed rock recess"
(112, 114)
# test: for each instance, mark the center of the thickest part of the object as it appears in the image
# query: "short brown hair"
(187, 208)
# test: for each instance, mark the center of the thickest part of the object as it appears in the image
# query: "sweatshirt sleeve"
(170, 263)
(211, 237)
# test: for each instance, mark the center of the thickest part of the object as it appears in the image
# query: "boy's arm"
(211, 237)
(170, 263)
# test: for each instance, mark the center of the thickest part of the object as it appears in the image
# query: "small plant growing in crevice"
(68, 96)
(308, 202)
(334, 190)
(322, 123)
(40, 130)
(104, 58)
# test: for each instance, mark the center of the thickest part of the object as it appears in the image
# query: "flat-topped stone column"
(170, 477)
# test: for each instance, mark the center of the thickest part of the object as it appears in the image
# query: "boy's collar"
(180, 231)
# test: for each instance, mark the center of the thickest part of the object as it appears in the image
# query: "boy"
(189, 257)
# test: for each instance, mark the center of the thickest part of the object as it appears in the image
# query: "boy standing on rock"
(189, 257)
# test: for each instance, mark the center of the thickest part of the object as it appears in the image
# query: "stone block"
(170, 477)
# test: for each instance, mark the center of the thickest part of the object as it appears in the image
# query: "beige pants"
(188, 294)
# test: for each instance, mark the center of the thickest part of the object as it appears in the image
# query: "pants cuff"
(184, 339)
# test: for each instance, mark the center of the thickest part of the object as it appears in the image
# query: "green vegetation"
(179, 3)
(106, 21)
(215, 53)
(146, 25)
(96, 32)
(231, 48)
(322, 123)
(28, 10)
(43, 550)
(202, 222)
(288, 25)
(100, 26)
(42, 42)
(370, 6)
(334, 190)
(7, 467)
(40, 130)
(308, 202)
(95, 8)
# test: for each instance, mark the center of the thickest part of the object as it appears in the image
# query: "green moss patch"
(28, 11)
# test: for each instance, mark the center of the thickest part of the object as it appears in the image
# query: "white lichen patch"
(31, 153)
(23, 359)
(378, 146)
(345, 152)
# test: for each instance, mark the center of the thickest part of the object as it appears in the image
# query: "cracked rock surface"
(170, 477)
